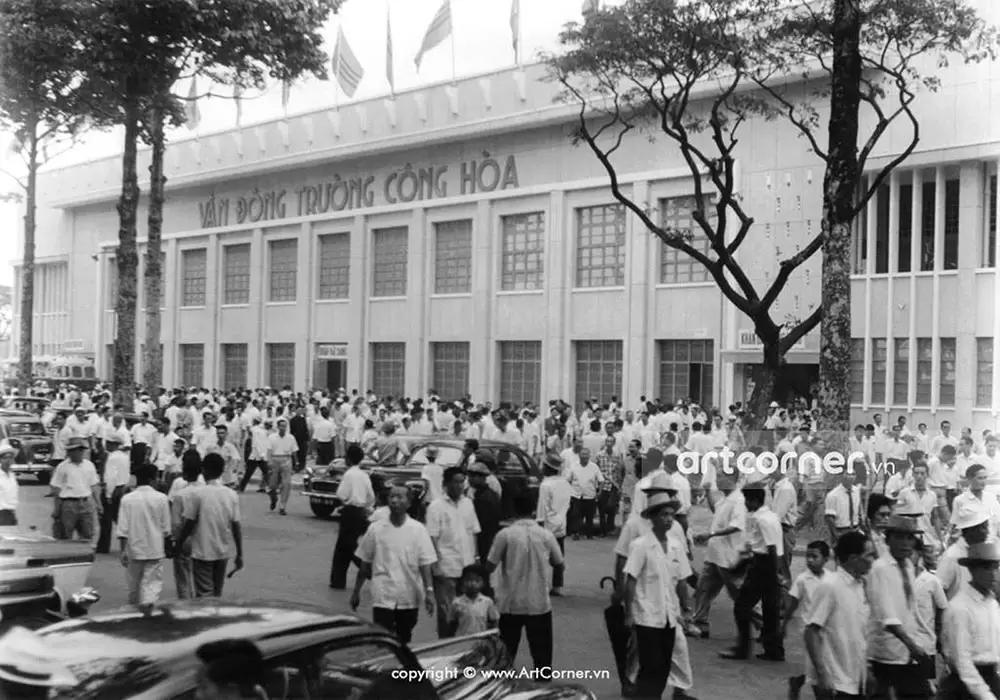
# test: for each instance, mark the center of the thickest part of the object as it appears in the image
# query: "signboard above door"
(331, 351)
(749, 340)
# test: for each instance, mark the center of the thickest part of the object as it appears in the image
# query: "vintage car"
(26, 432)
(40, 575)
(150, 653)
(514, 468)
(29, 404)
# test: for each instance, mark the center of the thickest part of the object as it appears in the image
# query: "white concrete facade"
(510, 118)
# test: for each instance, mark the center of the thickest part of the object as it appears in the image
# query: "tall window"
(234, 365)
(388, 369)
(598, 370)
(520, 371)
(903, 259)
(522, 264)
(927, 225)
(879, 361)
(334, 266)
(112, 283)
(280, 365)
(901, 372)
(946, 397)
(193, 365)
(952, 204)
(453, 257)
(882, 230)
(925, 370)
(857, 373)
(284, 264)
(676, 214)
(990, 242)
(193, 268)
(984, 372)
(600, 246)
(450, 374)
(389, 252)
(237, 274)
(686, 370)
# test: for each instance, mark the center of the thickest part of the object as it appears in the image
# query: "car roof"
(11, 413)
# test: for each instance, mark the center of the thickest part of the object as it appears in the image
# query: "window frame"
(879, 346)
(856, 372)
(673, 259)
(278, 291)
(675, 356)
(286, 364)
(946, 389)
(386, 282)
(191, 296)
(522, 260)
(225, 349)
(375, 380)
(617, 369)
(236, 289)
(528, 386)
(185, 359)
(453, 256)
(450, 369)
(984, 372)
(590, 238)
(333, 278)
(900, 371)
(925, 372)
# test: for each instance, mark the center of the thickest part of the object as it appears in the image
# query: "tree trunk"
(26, 369)
(839, 189)
(152, 360)
(123, 373)
(768, 388)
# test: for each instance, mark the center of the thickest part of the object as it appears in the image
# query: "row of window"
(898, 385)
(921, 203)
(600, 258)
(685, 368)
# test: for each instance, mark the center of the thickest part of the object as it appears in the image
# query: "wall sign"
(331, 351)
(404, 185)
(750, 341)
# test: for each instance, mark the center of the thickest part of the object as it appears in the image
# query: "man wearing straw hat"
(650, 597)
(77, 491)
(970, 642)
(27, 668)
(554, 498)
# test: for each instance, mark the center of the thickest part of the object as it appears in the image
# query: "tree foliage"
(693, 74)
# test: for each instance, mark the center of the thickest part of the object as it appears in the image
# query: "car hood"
(31, 549)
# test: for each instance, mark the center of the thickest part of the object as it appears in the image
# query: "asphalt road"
(288, 558)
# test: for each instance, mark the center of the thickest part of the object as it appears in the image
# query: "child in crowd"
(929, 602)
(472, 611)
(800, 598)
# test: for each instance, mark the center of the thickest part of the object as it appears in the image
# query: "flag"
(388, 55)
(515, 25)
(191, 113)
(438, 30)
(286, 93)
(591, 6)
(346, 67)
(238, 97)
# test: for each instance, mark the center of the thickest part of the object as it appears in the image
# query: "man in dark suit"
(298, 426)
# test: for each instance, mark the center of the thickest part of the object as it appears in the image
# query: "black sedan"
(513, 467)
(309, 654)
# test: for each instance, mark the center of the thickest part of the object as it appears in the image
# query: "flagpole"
(453, 73)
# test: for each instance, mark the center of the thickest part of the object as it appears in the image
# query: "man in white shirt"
(784, 503)
(835, 634)
(225, 449)
(357, 500)
(453, 526)
(571, 456)
(117, 476)
(585, 477)
(944, 473)
(163, 446)
(555, 496)
(762, 583)
(260, 443)
(725, 541)
(943, 438)
(396, 554)
(144, 533)
(324, 433)
(143, 436)
(281, 450)
(976, 496)
(179, 496)
(8, 486)
(843, 507)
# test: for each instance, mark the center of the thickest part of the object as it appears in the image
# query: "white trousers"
(145, 580)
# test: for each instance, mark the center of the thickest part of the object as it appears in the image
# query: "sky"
(481, 41)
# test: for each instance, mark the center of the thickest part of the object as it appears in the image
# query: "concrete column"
(482, 348)
(640, 247)
(916, 216)
(890, 297)
(556, 349)
(168, 315)
(869, 233)
(356, 333)
(939, 185)
(305, 292)
(417, 302)
(970, 218)
(258, 294)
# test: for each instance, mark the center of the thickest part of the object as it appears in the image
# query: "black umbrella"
(618, 632)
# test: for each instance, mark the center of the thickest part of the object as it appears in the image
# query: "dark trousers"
(558, 574)
(399, 621)
(949, 495)
(762, 585)
(952, 687)
(656, 647)
(607, 509)
(209, 577)
(585, 509)
(252, 466)
(905, 679)
(8, 518)
(833, 695)
(324, 453)
(108, 520)
(303, 453)
(353, 523)
(538, 629)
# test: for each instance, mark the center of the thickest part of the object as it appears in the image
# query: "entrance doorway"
(336, 374)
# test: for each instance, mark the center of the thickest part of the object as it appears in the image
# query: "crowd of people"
(904, 610)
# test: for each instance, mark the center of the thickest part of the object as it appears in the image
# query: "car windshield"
(21, 428)
(447, 456)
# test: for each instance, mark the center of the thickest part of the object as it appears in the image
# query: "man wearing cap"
(489, 510)
(650, 598)
(969, 639)
(972, 520)
(77, 491)
(898, 662)
(554, 498)
(117, 475)
(8, 486)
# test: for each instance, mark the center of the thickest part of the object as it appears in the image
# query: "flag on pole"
(346, 67)
(238, 97)
(191, 112)
(515, 27)
(286, 93)
(438, 30)
(388, 54)
(591, 6)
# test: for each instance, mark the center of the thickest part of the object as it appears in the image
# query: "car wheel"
(321, 510)
(44, 478)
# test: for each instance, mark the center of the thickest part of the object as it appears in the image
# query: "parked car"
(26, 432)
(309, 653)
(36, 405)
(514, 468)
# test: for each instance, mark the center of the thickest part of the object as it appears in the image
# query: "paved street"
(289, 558)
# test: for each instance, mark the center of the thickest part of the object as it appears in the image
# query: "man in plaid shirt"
(612, 468)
